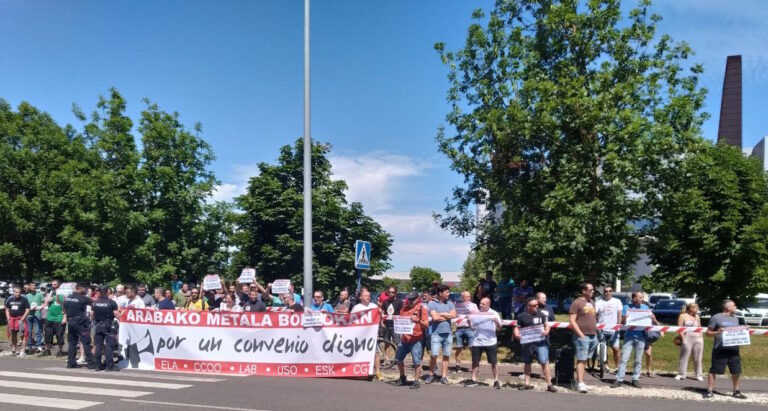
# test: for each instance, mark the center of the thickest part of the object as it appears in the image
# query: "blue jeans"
(540, 349)
(441, 342)
(460, 333)
(585, 347)
(37, 324)
(414, 348)
(636, 341)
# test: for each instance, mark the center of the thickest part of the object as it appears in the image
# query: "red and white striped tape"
(664, 328)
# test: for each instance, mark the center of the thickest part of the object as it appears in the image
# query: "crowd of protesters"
(37, 317)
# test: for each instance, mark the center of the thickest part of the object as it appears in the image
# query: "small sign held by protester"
(639, 317)
(247, 276)
(735, 336)
(532, 334)
(281, 286)
(312, 319)
(211, 282)
(403, 325)
(66, 289)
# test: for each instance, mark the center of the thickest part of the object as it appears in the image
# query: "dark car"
(455, 297)
(667, 311)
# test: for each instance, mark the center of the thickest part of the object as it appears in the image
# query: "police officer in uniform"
(103, 315)
(79, 325)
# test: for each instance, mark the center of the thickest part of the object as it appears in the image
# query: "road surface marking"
(94, 380)
(140, 374)
(176, 404)
(73, 389)
(47, 402)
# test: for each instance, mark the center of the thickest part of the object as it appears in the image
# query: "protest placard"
(639, 317)
(403, 324)
(211, 282)
(735, 336)
(281, 286)
(462, 308)
(66, 289)
(247, 276)
(532, 334)
(312, 319)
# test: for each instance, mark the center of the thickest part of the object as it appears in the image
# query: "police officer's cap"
(81, 285)
(104, 290)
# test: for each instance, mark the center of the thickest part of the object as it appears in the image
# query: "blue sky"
(378, 87)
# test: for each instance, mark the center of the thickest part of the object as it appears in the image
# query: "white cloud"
(226, 192)
(238, 183)
(374, 178)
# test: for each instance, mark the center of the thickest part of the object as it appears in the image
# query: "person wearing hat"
(411, 343)
(103, 315)
(78, 325)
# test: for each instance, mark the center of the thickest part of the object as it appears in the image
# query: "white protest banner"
(272, 343)
(736, 336)
(639, 317)
(532, 334)
(66, 289)
(403, 324)
(281, 286)
(312, 319)
(462, 308)
(211, 282)
(247, 276)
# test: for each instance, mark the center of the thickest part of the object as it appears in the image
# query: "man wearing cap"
(411, 343)
(79, 325)
(103, 315)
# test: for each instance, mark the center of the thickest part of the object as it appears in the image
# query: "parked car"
(654, 298)
(455, 297)
(756, 313)
(667, 311)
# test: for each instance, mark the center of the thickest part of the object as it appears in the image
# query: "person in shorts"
(583, 320)
(411, 343)
(441, 312)
(16, 312)
(533, 317)
(609, 311)
(464, 333)
(724, 356)
(485, 323)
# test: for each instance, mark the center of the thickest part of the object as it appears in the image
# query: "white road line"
(73, 389)
(141, 374)
(93, 380)
(176, 404)
(47, 402)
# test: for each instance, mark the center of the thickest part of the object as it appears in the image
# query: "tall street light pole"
(307, 169)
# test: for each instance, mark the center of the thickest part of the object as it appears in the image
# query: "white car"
(756, 313)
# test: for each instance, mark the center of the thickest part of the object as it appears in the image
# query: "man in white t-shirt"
(364, 304)
(120, 297)
(609, 314)
(484, 323)
(134, 301)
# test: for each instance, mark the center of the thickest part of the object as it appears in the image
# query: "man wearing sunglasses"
(609, 314)
(319, 304)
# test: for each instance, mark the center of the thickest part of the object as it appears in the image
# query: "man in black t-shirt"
(533, 323)
(290, 304)
(103, 315)
(392, 306)
(79, 326)
(16, 311)
(254, 303)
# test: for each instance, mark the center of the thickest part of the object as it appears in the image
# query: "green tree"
(562, 114)
(386, 282)
(423, 277)
(174, 168)
(270, 229)
(711, 235)
(475, 267)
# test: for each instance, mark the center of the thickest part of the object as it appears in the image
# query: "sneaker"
(22, 354)
(739, 395)
(81, 360)
(113, 368)
(616, 384)
(40, 349)
(636, 383)
(470, 383)
(428, 379)
(444, 381)
(496, 385)
(708, 395)
(583, 388)
(401, 381)
(526, 387)
(679, 378)
(415, 386)
(699, 378)
(551, 388)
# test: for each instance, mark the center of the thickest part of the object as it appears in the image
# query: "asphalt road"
(46, 384)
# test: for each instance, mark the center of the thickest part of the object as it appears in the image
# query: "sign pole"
(307, 169)
(359, 276)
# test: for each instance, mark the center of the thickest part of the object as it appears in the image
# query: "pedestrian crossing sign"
(362, 255)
